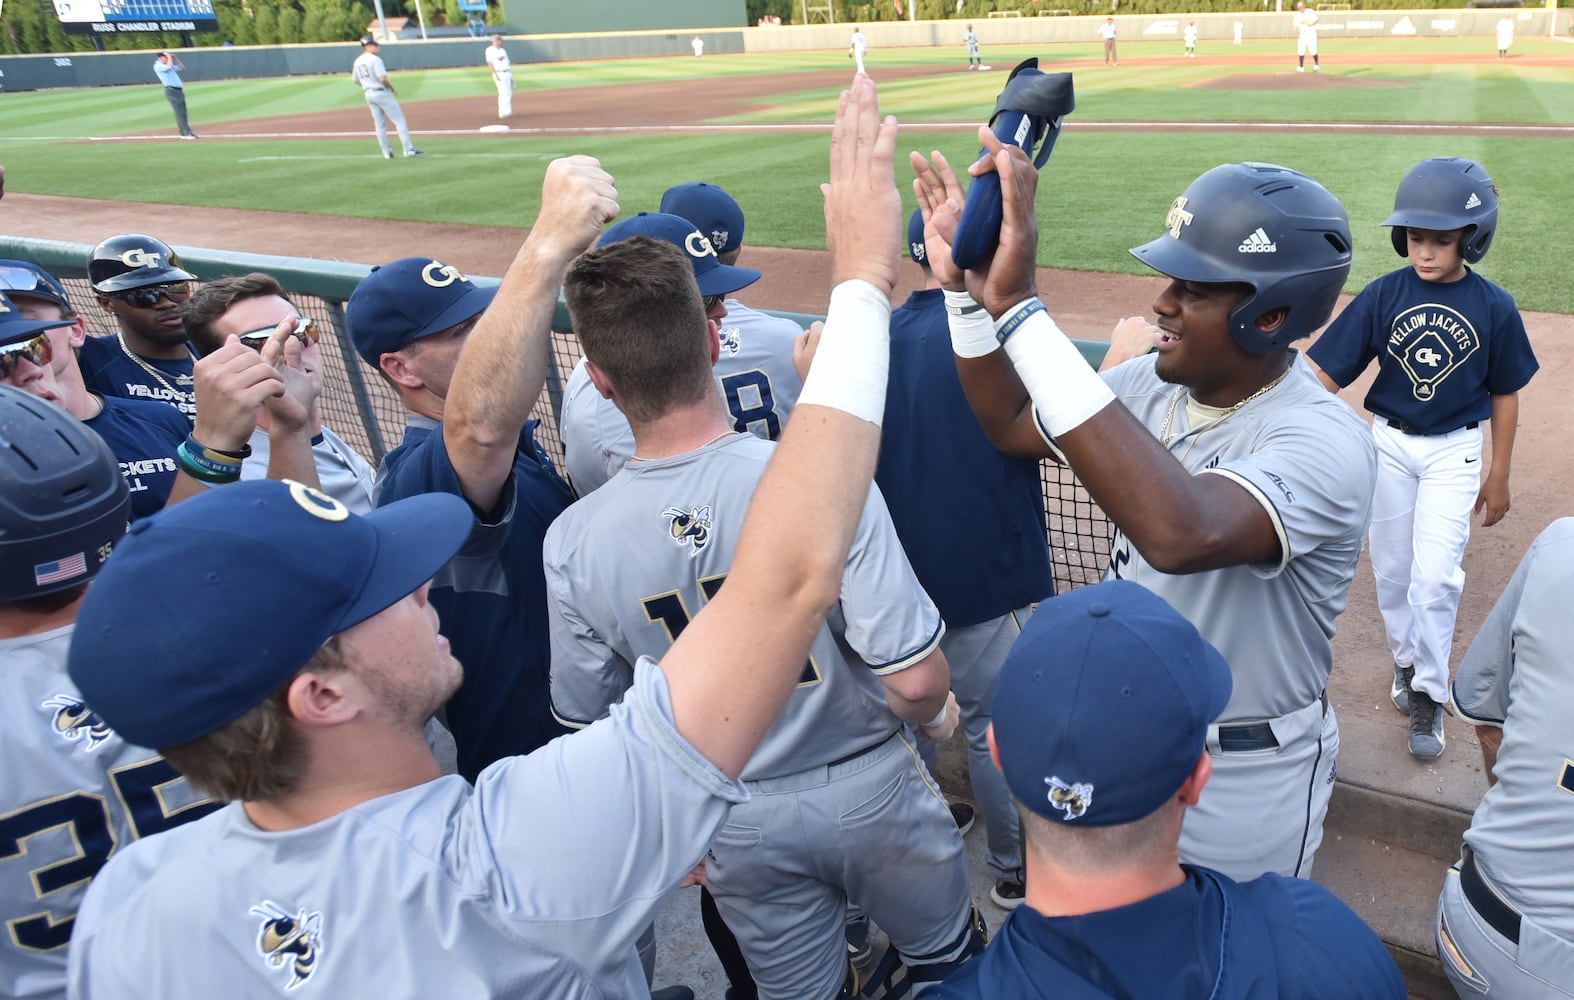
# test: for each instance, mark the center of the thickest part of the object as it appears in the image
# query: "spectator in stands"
(140, 282)
(159, 452)
(754, 369)
(250, 308)
(469, 363)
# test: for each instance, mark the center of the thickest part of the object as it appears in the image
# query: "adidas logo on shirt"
(1472, 201)
(1258, 242)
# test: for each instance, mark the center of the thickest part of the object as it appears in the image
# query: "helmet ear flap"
(1401, 237)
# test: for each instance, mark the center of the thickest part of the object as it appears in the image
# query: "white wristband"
(932, 723)
(972, 331)
(1065, 390)
(854, 356)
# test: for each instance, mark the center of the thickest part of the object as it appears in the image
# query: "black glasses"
(712, 301)
(305, 331)
(148, 296)
(37, 350)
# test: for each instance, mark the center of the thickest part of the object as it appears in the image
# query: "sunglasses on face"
(712, 301)
(148, 296)
(305, 332)
(37, 351)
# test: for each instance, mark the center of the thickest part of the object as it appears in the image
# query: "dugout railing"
(365, 411)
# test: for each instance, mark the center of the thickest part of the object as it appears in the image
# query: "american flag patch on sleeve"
(68, 568)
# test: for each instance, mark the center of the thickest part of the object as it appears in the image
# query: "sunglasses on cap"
(22, 281)
(148, 296)
(36, 350)
(305, 331)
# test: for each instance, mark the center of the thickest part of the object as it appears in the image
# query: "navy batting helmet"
(63, 502)
(131, 261)
(1445, 193)
(1265, 226)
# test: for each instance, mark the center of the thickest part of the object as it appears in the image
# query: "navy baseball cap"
(1102, 707)
(713, 277)
(712, 210)
(915, 237)
(23, 277)
(211, 605)
(411, 298)
(14, 327)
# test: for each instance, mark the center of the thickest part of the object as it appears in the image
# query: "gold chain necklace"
(1166, 436)
(175, 394)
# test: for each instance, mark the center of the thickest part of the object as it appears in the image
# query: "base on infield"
(493, 128)
(983, 67)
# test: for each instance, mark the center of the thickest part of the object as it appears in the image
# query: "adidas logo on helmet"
(1472, 201)
(1258, 242)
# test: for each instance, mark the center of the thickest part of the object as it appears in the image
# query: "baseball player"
(1107, 32)
(937, 470)
(698, 45)
(159, 452)
(1505, 35)
(1305, 23)
(72, 791)
(502, 76)
(1505, 924)
(754, 367)
(856, 48)
(1240, 492)
(140, 282)
(1101, 730)
(371, 76)
(1190, 37)
(970, 39)
(452, 351)
(839, 807)
(521, 884)
(251, 308)
(168, 67)
(1451, 351)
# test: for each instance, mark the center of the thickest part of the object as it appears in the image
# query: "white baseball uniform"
(859, 44)
(1305, 24)
(503, 76)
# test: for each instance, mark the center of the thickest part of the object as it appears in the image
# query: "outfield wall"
(101, 69)
(538, 17)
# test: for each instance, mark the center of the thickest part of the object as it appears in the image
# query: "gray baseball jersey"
(71, 793)
(344, 474)
(1309, 461)
(1518, 675)
(754, 372)
(369, 72)
(839, 806)
(628, 566)
(519, 887)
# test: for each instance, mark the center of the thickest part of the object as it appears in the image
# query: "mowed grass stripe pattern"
(1102, 192)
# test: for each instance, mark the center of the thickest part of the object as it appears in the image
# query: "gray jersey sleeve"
(886, 616)
(1480, 692)
(588, 676)
(597, 440)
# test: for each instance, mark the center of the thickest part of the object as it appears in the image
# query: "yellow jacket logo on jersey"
(75, 721)
(293, 940)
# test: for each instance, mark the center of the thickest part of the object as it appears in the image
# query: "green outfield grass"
(1102, 192)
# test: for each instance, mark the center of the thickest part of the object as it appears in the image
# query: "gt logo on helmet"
(1178, 217)
(138, 257)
